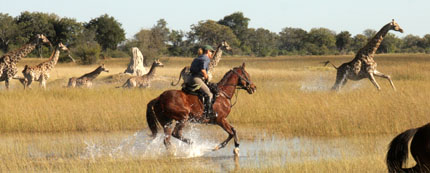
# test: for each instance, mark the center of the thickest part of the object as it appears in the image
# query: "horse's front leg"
(231, 133)
(177, 132)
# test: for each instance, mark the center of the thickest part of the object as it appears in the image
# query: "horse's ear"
(243, 65)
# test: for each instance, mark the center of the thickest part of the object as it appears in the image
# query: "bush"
(88, 53)
(109, 53)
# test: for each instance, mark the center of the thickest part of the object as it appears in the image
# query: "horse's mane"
(226, 76)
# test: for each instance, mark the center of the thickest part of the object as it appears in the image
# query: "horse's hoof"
(236, 151)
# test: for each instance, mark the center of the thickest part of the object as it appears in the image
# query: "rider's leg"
(208, 102)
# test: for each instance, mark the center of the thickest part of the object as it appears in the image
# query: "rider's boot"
(210, 113)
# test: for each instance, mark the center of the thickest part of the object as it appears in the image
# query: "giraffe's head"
(62, 47)
(225, 45)
(103, 68)
(40, 38)
(157, 63)
(395, 26)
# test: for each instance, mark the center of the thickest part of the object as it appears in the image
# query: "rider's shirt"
(199, 63)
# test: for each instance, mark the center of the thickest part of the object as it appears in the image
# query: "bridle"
(239, 86)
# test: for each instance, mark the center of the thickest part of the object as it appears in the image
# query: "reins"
(236, 89)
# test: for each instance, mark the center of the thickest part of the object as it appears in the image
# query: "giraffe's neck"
(93, 74)
(217, 57)
(373, 45)
(16, 55)
(54, 58)
(151, 72)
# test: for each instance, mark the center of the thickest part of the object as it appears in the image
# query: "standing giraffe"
(41, 71)
(186, 74)
(363, 65)
(8, 61)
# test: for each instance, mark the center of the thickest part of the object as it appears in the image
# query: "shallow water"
(256, 150)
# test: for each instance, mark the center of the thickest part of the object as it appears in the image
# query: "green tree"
(324, 39)
(177, 44)
(8, 31)
(67, 30)
(412, 44)
(292, 39)
(263, 42)
(109, 32)
(369, 33)
(152, 43)
(238, 23)
(32, 23)
(343, 41)
(358, 42)
(211, 33)
(390, 44)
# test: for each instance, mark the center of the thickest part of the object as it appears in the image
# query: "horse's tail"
(151, 118)
(180, 75)
(328, 62)
(398, 151)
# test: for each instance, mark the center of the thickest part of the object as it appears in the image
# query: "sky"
(337, 15)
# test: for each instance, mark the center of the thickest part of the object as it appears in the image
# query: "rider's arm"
(205, 75)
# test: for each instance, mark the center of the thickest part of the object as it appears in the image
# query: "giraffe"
(41, 71)
(8, 61)
(186, 74)
(363, 65)
(145, 80)
(86, 79)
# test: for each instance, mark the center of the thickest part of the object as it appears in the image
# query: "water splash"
(140, 144)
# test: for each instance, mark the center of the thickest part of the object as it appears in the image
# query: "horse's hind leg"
(167, 134)
(177, 132)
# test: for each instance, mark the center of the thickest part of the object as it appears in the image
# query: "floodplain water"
(257, 149)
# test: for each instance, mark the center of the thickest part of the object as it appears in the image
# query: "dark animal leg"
(231, 133)
(6, 82)
(372, 79)
(167, 133)
(340, 79)
(379, 74)
(177, 132)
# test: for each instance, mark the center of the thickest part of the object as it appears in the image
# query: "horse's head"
(244, 79)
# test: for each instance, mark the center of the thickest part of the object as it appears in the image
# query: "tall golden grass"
(292, 99)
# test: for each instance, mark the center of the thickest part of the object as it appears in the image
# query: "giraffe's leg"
(43, 83)
(372, 79)
(340, 79)
(6, 83)
(379, 74)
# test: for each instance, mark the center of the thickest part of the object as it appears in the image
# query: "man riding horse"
(199, 72)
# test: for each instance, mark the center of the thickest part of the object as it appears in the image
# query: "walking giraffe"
(186, 74)
(41, 71)
(363, 65)
(8, 61)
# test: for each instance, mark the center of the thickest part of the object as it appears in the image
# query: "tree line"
(104, 37)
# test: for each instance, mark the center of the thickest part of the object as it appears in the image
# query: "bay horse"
(420, 150)
(183, 108)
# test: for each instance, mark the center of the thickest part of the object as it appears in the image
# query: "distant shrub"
(88, 53)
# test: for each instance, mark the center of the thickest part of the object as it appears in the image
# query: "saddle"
(194, 89)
